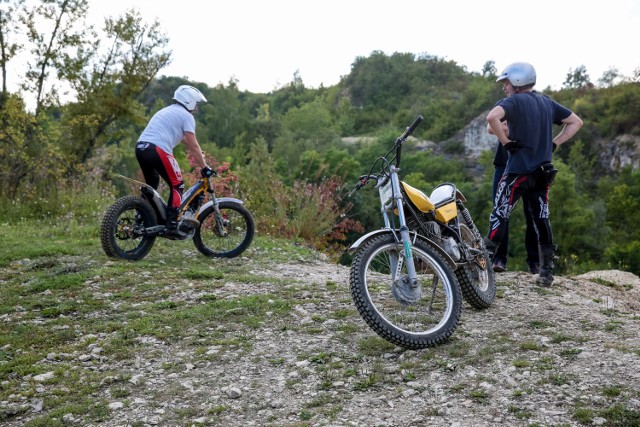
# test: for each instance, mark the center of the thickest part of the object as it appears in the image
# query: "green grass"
(59, 289)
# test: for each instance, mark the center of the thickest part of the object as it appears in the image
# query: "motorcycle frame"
(191, 196)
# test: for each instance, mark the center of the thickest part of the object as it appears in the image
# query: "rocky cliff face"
(475, 137)
(622, 151)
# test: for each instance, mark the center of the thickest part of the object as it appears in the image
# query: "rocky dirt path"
(567, 356)
(535, 357)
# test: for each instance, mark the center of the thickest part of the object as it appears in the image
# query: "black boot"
(490, 246)
(172, 223)
(545, 278)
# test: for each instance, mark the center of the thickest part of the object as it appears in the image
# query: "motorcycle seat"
(443, 194)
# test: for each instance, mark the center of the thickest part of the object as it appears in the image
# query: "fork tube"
(216, 209)
(404, 230)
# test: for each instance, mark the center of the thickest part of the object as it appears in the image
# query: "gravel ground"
(566, 356)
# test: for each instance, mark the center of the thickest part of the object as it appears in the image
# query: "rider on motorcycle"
(154, 150)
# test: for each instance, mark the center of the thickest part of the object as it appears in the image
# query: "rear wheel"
(238, 230)
(122, 229)
(476, 278)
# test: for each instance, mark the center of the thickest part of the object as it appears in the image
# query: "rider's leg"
(507, 196)
(538, 200)
(531, 239)
(500, 255)
(170, 172)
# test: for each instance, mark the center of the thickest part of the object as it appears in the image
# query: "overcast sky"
(262, 43)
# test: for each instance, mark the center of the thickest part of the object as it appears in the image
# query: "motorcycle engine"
(433, 230)
(188, 223)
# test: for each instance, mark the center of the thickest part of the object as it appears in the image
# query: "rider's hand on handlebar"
(206, 172)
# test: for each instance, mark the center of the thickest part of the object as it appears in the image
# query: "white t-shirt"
(167, 127)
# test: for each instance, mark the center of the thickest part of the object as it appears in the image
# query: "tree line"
(296, 151)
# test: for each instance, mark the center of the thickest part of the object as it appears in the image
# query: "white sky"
(262, 43)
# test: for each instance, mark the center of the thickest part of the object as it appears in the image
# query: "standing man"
(530, 118)
(154, 150)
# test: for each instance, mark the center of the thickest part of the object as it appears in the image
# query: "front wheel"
(428, 317)
(122, 230)
(237, 231)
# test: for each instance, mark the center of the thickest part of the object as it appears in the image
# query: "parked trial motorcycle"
(403, 276)
(220, 228)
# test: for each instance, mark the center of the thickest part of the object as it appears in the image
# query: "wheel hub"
(405, 293)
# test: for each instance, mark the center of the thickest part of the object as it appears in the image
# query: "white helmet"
(519, 74)
(189, 97)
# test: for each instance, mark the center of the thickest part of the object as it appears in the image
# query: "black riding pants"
(535, 191)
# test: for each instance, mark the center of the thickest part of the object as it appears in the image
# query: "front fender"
(219, 200)
(363, 239)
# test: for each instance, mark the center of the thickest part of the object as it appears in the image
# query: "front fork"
(404, 233)
(221, 229)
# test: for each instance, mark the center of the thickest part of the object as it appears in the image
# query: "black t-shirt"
(531, 117)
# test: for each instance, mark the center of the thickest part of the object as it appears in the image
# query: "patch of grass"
(199, 274)
(612, 391)
(545, 364)
(612, 325)
(521, 363)
(540, 324)
(531, 346)
(479, 395)
(459, 348)
(374, 346)
(322, 400)
(558, 338)
(217, 410)
(619, 415)
(560, 378)
(583, 415)
(570, 353)
(366, 383)
(520, 413)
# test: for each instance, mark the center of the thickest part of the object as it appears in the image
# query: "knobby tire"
(415, 325)
(119, 231)
(476, 278)
(240, 228)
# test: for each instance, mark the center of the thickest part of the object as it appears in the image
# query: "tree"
(51, 51)
(108, 75)
(489, 69)
(112, 82)
(577, 79)
(8, 49)
(609, 77)
(306, 128)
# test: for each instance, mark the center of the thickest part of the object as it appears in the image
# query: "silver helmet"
(189, 96)
(519, 74)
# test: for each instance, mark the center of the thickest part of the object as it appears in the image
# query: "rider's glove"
(513, 146)
(206, 172)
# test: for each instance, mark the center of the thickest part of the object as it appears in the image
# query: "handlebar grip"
(414, 125)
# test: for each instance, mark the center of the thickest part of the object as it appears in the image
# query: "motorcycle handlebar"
(365, 178)
(405, 135)
(412, 127)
